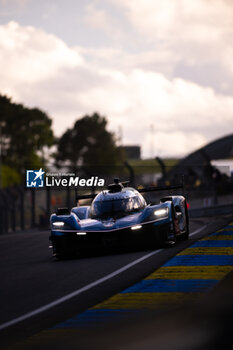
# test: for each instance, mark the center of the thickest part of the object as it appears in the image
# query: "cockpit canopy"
(114, 205)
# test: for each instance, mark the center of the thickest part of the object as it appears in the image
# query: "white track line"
(85, 288)
(77, 292)
(197, 231)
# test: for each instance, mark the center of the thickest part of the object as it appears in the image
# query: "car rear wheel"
(185, 235)
(166, 238)
(63, 248)
(172, 232)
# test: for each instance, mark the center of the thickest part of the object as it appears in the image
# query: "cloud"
(15, 3)
(98, 17)
(178, 110)
(200, 20)
(68, 82)
(198, 33)
(31, 55)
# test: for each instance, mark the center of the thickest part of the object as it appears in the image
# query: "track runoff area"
(182, 278)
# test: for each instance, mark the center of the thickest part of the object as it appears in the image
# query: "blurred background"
(141, 90)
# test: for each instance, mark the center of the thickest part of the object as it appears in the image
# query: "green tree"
(88, 144)
(24, 135)
(9, 176)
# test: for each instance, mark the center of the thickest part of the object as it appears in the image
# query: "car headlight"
(61, 225)
(136, 227)
(161, 213)
(58, 224)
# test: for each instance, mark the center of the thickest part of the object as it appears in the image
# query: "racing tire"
(167, 237)
(185, 235)
(64, 250)
(160, 239)
(171, 236)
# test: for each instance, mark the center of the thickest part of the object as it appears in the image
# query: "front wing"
(147, 232)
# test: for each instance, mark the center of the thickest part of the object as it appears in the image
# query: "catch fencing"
(23, 208)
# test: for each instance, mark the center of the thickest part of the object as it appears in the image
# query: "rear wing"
(161, 188)
(86, 196)
(141, 190)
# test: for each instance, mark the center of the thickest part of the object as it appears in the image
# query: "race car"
(119, 216)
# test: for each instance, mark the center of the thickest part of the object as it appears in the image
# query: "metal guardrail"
(216, 210)
(18, 209)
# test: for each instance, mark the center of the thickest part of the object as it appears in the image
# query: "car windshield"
(115, 207)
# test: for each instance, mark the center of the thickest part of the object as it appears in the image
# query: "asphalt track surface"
(31, 279)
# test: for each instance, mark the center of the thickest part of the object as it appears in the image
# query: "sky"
(161, 72)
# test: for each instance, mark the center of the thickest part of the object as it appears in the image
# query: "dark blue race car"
(119, 216)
